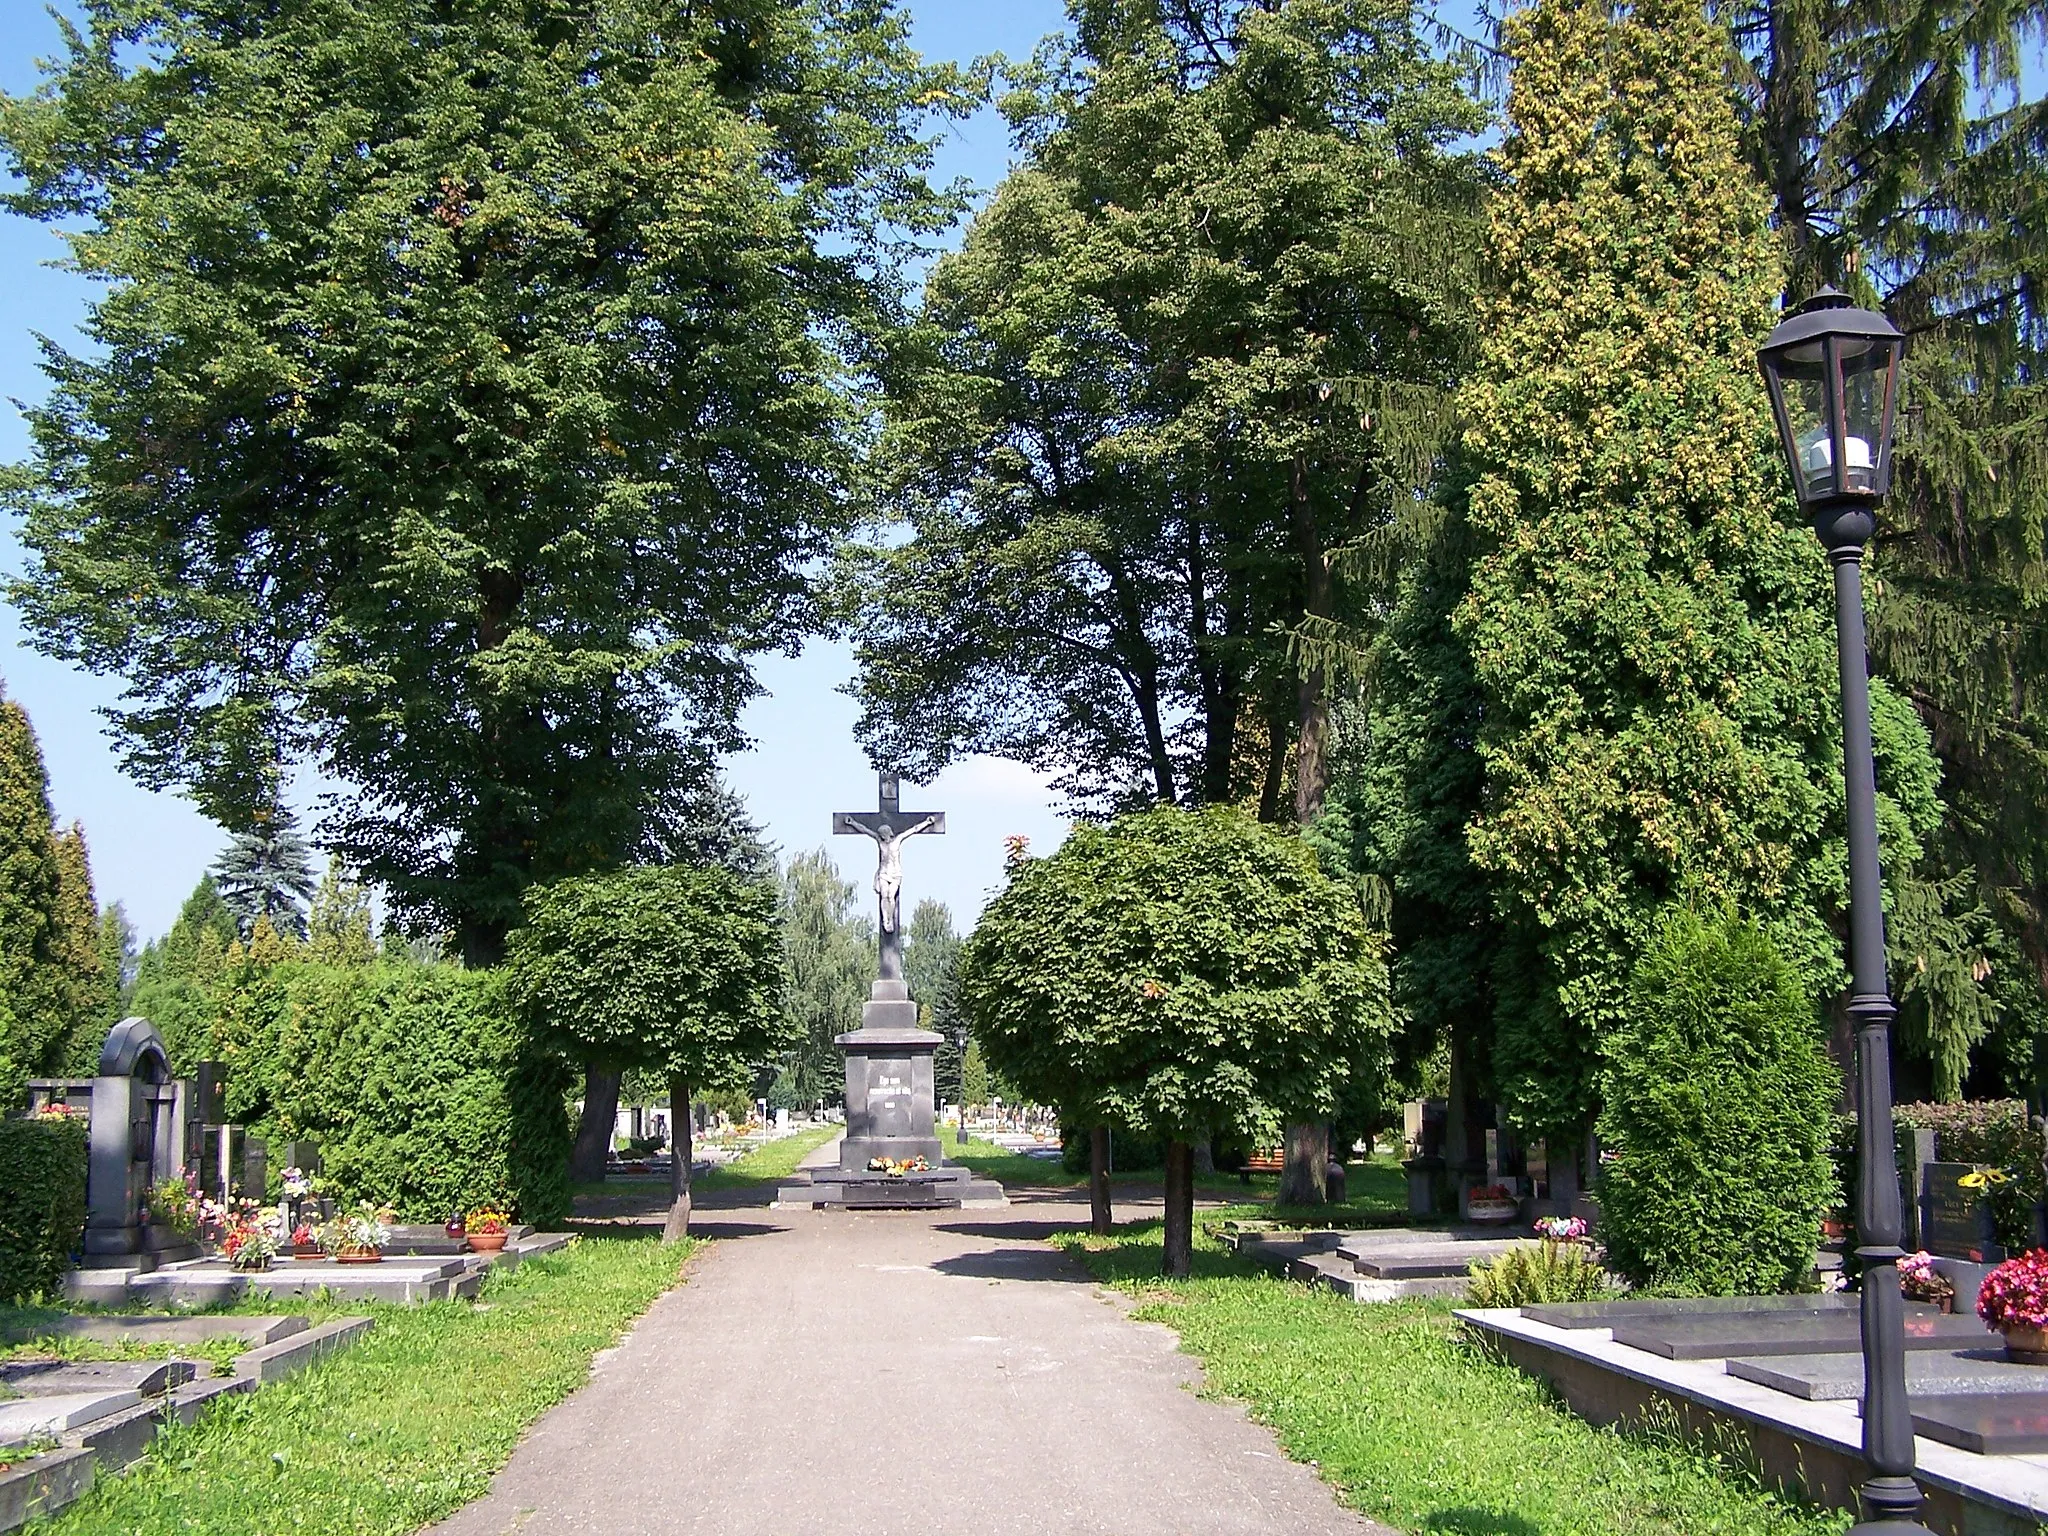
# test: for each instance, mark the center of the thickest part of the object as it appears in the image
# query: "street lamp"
(1833, 372)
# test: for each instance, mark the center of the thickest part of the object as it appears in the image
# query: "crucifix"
(889, 826)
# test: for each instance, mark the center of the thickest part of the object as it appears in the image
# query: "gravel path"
(894, 1374)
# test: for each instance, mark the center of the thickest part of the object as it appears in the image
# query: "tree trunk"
(1312, 709)
(594, 1128)
(1304, 1172)
(1100, 1217)
(1180, 1211)
(679, 1160)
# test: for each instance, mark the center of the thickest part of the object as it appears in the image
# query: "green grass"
(400, 1429)
(1415, 1427)
(766, 1164)
(220, 1353)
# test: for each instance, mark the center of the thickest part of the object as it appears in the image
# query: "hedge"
(42, 1202)
(422, 1089)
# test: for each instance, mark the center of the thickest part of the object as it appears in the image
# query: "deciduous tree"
(669, 970)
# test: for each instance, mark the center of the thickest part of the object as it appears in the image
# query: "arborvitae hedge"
(31, 1021)
(42, 1202)
(1719, 1104)
(418, 1082)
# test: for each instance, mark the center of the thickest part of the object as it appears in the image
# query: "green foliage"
(828, 959)
(667, 969)
(931, 965)
(31, 1020)
(1181, 973)
(974, 1080)
(1650, 631)
(403, 1427)
(42, 1202)
(1155, 432)
(1717, 1103)
(1486, 1449)
(1538, 1272)
(484, 496)
(340, 927)
(420, 1083)
(82, 987)
(175, 976)
(266, 870)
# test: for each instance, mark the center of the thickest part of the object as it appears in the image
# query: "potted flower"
(356, 1237)
(306, 1242)
(1492, 1204)
(488, 1228)
(249, 1237)
(1561, 1229)
(1920, 1281)
(2014, 1300)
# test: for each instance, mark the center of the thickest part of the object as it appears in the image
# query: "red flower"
(2015, 1295)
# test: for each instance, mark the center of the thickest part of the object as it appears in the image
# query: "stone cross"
(889, 826)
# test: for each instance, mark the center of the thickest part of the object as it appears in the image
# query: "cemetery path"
(896, 1374)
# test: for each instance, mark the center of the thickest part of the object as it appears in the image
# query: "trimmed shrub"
(1522, 1277)
(1718, 1105)
(421, 1086)
(42, 1202)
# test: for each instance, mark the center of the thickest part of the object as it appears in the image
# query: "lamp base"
(1890, 1503)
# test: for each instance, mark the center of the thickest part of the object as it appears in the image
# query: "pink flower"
(2015, 1295)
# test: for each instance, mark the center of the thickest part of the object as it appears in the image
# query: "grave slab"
(1605, 1314)
(1929, 1373)
(1787, 1333)
(33, 1418)
(57, 1378)
(118, 1329)
(1988, 1423)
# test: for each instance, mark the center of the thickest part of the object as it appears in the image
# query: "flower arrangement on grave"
(1492, 1203)
(1919, 1281)
(305, 1242)
(1562, 1229)
(298, 1184)
(179, 1208)
(896, 1167)
(2014, 1300)
(487, 1228)
(358, 1236)
(249, 1236)
(57, 1109)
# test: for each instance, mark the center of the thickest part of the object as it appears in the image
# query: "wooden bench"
(1273, 1161)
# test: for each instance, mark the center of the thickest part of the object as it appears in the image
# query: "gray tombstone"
(137, 1137)
(1954, 1223)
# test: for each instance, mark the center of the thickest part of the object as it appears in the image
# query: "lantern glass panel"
(1867, 377)
(1800, 378)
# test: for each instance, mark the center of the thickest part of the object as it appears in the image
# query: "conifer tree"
(340, 927)
(84, 989)
(31, 1017)
(176, 975)
(267, 871)
(1649, 626)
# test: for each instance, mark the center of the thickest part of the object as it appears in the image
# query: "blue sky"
(148, 850)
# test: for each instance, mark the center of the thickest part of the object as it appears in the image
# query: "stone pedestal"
(890, 1113)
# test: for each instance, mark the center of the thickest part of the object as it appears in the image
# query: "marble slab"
(57, 1378)
(1788, 1333)
(1929, 1373)
(24, 1419)
(1604, 1314)
(1991, 1424)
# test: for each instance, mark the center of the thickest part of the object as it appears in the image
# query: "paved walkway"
(897, 1374)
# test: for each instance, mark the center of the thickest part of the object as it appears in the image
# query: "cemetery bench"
(1273, 1160)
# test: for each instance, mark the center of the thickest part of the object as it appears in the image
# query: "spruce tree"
(267, 871)
(1649, 626)
(82, 986)
(31, 1015)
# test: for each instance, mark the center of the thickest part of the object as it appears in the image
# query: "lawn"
(767, 1164)
(399, 1430)
(1413, 1426)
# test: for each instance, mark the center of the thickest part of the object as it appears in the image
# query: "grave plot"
(1382, 1264)
(1784, 1374)
(65, 1420)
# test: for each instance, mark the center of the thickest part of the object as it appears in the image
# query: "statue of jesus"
(889, 868)
(881, 824)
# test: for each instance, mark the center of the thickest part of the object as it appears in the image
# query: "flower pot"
(312, 1252)
(359, 1258)
(250, 1267)
(487, 1242)
(2029, 1346)
(1493, 1212)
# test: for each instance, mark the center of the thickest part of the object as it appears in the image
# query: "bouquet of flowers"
(57, 1109)
(896, 1167)
(250, 1235)
(298, 1184)
(2015, 1295)
(179, 1207)
(356, 1233)
(303, 1238)
(1561, 1229)
(1919, 1281)
(489, 1220)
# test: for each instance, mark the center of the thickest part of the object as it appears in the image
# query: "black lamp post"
(1833, 372)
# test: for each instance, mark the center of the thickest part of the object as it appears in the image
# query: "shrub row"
(418, 1082)
(42, 1202)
